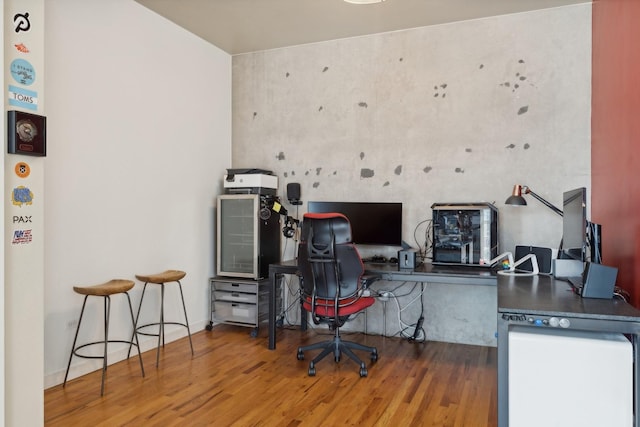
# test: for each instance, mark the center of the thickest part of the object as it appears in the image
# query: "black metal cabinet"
(240, 302)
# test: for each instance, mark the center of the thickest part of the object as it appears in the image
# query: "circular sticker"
(23, 72)
(22, 169)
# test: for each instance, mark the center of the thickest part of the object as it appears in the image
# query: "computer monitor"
(574, 224)
(372, 223)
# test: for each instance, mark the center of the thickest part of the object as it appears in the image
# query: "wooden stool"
(160, 279)
(105, 291)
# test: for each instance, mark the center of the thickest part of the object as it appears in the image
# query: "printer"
(250, 181)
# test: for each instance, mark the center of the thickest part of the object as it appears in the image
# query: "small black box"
(598, 281)
(407, 259)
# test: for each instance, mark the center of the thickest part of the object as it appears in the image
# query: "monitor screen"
(371, 223)
(574, 223)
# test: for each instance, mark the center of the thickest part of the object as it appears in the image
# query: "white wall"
(139, 131)
(450, 113)
(2, 263)
(24, 225)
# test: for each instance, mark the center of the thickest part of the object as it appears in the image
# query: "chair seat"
(115, 286)
(164, 277)
(326, 307)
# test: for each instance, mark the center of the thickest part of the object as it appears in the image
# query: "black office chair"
(332, 283)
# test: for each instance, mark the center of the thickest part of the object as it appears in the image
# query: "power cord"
(419, 333)
(412, 332)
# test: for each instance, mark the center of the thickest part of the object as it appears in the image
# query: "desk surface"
(424, 272)
(533, 301)
(545, 295)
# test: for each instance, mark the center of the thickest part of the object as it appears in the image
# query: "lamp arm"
(528, 190)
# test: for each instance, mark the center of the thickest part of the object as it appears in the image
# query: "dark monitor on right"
(574, 224)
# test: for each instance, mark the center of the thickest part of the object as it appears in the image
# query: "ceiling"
(243, 26)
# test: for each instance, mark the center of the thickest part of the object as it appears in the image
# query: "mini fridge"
(565, 378)
(248, 235)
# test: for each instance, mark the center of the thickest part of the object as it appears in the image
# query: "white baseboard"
(80, 366)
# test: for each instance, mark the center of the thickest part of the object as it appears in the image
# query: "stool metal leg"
(133, 321)
(107, 312)
(75, 339)
(186, 321)
(161, 325)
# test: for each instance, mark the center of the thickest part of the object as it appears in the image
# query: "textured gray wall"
(451, 113)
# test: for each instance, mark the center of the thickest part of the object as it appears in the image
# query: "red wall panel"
(615, 137)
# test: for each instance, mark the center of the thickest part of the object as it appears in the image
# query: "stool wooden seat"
(161, 279)
(164, 277)
(116, 286)
(104, 290)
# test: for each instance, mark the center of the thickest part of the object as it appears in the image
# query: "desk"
(532, 302)
(456, 275)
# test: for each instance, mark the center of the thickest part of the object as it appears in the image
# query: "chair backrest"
(328, 261)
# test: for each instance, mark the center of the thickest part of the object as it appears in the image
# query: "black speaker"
(293, 193)
(543, 255)
(598, 281)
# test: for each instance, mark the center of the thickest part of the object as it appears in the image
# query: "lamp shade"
(516, 197)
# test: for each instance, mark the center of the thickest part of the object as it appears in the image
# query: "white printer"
(250, 181)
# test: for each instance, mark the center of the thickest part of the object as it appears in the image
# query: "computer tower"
(464, 233)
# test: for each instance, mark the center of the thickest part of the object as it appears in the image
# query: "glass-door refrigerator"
(248, 235)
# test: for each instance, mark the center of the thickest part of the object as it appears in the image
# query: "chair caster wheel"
(374, 356)
(300, 355)
(363, 372)
(312, 370)
(254, 333)
(337, 359)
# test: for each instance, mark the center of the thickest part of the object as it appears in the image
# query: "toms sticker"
(25, 98)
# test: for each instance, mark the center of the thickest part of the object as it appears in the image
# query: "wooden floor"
(234, 380)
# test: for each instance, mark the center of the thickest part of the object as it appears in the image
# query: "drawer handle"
(235, 294)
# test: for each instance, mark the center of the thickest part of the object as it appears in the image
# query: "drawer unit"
(241, 302)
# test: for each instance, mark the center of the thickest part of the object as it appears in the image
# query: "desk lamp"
(517, 199)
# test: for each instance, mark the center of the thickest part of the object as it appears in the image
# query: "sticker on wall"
(22, 219)
(21, 22)
(23, 98)
(20, 47)
(21, 196)
(27, 133)
(23, 72)
(22, 169)
(22, 237)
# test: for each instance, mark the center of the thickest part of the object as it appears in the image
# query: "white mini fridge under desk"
(568, 378)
